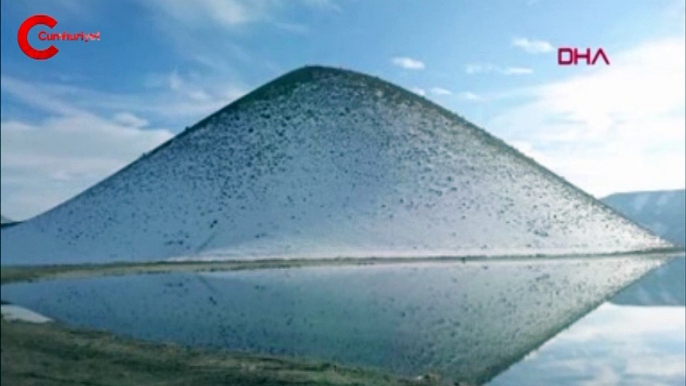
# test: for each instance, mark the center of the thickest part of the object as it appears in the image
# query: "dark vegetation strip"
(53, 354)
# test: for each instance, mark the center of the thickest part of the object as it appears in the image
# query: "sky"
(162, 65)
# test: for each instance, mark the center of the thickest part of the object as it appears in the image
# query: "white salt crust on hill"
(326, 163)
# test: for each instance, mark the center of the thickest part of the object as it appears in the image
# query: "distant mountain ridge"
(662, 211)
(326, 163)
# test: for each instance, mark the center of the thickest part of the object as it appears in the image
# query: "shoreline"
(55, 354)
(16, 274)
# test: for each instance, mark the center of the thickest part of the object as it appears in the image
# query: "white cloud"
(171, 98)
(611, 128)
(477, 68)
(130, 120)
(176, 83)
(440, 91)
(517, 71)
(470, 96)
(418, 91)
(199, 95)
(46, 162)
(408, 63)
(532, 46)
(486, 68)
(88, 134)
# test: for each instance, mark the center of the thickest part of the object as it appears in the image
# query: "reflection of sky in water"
(616, 345)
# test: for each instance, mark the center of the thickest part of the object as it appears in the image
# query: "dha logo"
(570, 56)
(23, 37)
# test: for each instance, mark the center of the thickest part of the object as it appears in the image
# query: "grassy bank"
(53, 354)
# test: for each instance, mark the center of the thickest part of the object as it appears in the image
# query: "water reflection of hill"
(663, 213)
(665, 286)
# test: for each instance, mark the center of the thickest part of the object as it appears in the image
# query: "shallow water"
(461, 320)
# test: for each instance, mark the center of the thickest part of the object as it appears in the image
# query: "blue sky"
(160, 66)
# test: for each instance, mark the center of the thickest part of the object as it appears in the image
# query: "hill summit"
(326, 163)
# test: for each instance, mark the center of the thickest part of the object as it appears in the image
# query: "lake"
(637, 338)
(469, 320)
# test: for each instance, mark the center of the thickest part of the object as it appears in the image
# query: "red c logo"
(23, 37)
